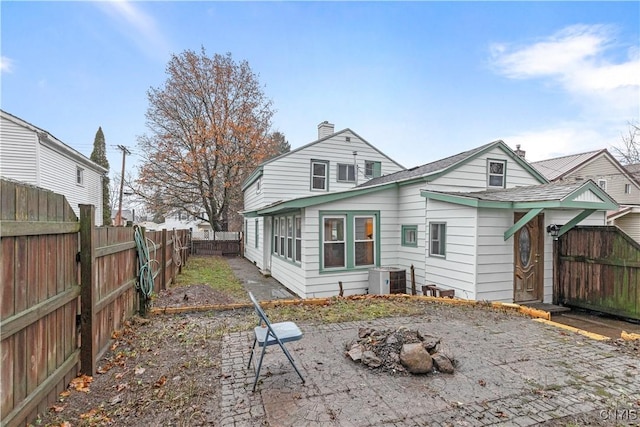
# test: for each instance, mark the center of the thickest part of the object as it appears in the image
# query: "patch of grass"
(214, 272)
(339, 310)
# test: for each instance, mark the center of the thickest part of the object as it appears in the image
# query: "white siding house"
(336, 161)
(32, 155)
(474, 223)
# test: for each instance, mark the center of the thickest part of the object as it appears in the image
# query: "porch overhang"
(304, 202)
(585, 196)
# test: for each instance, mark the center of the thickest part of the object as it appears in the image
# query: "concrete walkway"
(264, 288)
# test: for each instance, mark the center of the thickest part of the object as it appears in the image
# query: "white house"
(335, 162)
(601, 167)
(32, 155)
(475, 223)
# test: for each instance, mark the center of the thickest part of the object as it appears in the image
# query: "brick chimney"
(325, 129)
(519, 152)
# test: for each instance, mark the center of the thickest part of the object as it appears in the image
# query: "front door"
(529, 260)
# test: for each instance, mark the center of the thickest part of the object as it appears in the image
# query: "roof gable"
(433, 170)
(559, 194)
(258, 171)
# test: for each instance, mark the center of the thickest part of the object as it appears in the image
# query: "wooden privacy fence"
(66, 286)
(226, 244)
(598, 268)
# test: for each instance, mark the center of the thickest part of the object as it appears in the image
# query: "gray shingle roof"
(426, 169)
(535, 193)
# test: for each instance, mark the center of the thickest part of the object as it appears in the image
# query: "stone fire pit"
(400, 351)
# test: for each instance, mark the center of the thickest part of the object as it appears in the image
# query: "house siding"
(630, 224)
(603, 168)
(48, 164)
(58, 174)
(411, 211)
(495, 269)
(457, 270)
(472, 176)
(325, 284)
(289, 177)
(18, 153)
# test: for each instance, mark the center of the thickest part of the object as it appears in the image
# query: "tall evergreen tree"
(99, 156)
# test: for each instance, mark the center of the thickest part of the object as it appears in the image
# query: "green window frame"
(257, 228)
(410, 236)
(437, 239)
(298, 236)
(275, 235)
(372, 169)
(349, 240)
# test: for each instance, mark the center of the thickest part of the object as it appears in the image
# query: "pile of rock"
(399, 351)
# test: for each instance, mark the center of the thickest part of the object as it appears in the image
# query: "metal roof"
(560, 166)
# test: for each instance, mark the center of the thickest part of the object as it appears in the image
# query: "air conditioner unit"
(387, 280)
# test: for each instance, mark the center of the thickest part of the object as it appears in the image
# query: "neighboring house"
(617, 180)
(336, 161)
(474, 222)
(32, 155)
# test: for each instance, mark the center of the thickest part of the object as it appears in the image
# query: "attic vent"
(347, 138)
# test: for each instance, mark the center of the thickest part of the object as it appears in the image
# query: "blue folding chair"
(267, 333)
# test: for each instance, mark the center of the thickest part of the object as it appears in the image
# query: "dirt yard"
(165, 370)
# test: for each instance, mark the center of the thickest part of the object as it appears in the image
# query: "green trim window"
(275, 235)
(334, 244)
(364, 243)
(410, 235)
(283, 234)
(246, 231)
(349, 240)
(290, 237)
(320, 175)
(298, 222)
(346, 172)
(437, 238)
(372, 169)
(496, 173)
(257, 228)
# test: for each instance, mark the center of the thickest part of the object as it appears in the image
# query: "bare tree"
(209, 127)
(629, 152)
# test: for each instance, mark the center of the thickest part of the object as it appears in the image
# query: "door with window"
(529, 260)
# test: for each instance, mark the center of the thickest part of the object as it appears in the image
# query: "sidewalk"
(263, 288)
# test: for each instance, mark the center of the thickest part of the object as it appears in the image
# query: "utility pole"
(125, 151)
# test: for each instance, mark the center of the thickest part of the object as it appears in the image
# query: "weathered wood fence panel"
(52, 328)
(39, 339)
(216, 247)
(170, 250)
(598, 268)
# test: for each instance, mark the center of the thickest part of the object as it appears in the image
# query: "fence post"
(163, 260)
(88, 349)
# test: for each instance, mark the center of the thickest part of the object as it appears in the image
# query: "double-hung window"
(496, 173)
(290, 237)
(283, 234)
(319, 175)
(79, 175)
(334, 243)
(349, 240)
(346, 173)
(364, 240)
(298, 227)
(275, 235)
(437, 238)
(602, 183)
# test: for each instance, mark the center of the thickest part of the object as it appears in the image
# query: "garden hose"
(146, 275)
